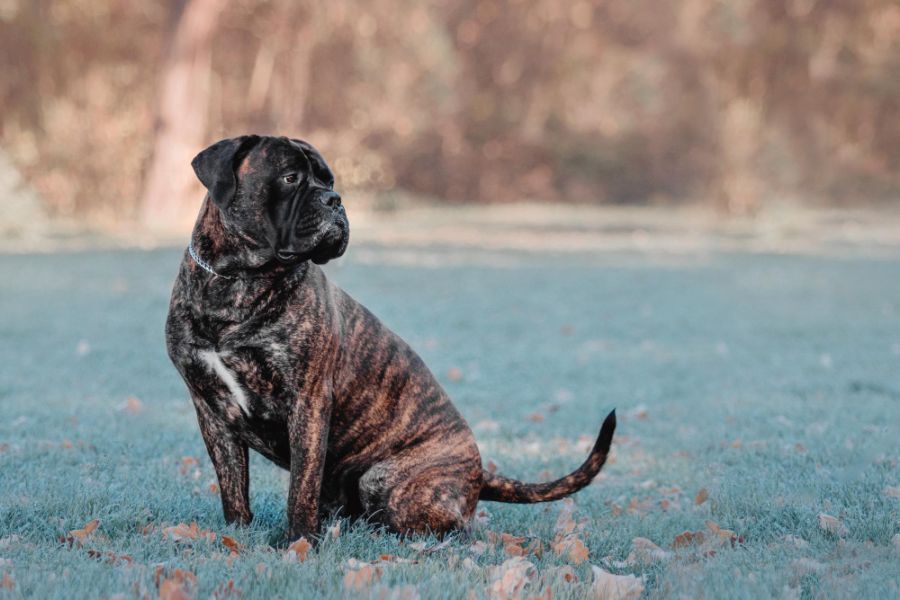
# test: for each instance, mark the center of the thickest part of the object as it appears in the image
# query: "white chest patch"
(214, 361)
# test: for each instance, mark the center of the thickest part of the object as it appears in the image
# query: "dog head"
(276, 194)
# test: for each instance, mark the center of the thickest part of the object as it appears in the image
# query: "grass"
(770, 381)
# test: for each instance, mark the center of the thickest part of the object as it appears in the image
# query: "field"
(758, 397)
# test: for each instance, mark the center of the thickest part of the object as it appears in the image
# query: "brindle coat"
(278, 359)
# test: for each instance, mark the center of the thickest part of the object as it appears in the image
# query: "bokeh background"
(732, 105)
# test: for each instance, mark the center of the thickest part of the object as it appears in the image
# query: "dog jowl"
(278, 359)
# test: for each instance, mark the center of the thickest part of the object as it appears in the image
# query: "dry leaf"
(831, 524)
(390, 558)
(185, 533)
(454, 374)
(179, 585)
(688, 538)
(88, 529)
(514, 550)
(565, 523)
(213, 488)
(186, 464)
(536, 417)
(572, 548)
(297, 551)
(335, 531)
(491, 466)
(232, 544)
(726, 534)
(644, 551)
(607, 586)
(510, 578)
(132, 405)
(7, 583)
(701, 497)
(892, 491)
(507, 538)
(358, 579)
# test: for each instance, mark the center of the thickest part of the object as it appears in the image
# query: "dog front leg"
(230, 459)
(308, 433)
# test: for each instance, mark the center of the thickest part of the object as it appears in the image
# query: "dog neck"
(219, 252)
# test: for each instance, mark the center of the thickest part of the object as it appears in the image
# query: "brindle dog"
(278, 359)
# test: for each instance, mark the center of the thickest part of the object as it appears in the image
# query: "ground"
(757, 392)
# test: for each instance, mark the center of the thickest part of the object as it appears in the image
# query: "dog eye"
(292, 178)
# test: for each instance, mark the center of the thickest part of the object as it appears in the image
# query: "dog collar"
(202, 263)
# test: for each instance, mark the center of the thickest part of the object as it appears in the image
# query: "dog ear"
(323, 171)
(215, 167)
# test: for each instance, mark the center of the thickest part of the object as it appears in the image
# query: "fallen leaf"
(688, 538)
(390, 558)
(335, 531)
(297, 551)
(831, 524)
(701, 497)
(572, 548)
(185, 533)
(892, 491)
(454, 374)
(726, 534)
(491, 466)
(186, 464)
(510, 578)
(645, 552)
(131, 405)
(607, 586)
(536, 417)
(7, 583)
(178, 585)
(232, 544)
(565, 523)
(81, 534)
(213, 488)
(514, 550)
(507, 538)
(362, 577)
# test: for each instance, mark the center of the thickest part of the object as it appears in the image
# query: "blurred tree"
(181, 122)
(104, 102)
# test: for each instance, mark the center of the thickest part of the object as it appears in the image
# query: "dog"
(278, 359)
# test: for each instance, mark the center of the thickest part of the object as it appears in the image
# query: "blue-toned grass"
(771, 381)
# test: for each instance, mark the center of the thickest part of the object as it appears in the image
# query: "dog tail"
(502, 489)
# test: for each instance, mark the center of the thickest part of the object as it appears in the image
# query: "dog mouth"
(331, 243)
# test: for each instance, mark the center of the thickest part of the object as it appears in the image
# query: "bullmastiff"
(278, 359)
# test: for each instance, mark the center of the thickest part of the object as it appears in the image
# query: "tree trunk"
(171, 192)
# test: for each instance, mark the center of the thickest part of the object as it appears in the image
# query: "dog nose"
(332, 199)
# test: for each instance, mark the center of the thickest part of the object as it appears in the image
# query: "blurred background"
(730, 105)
